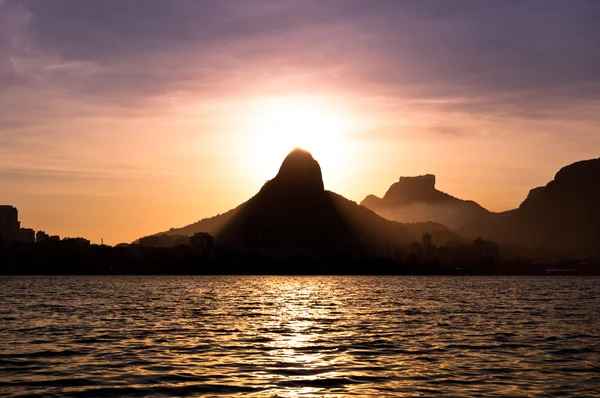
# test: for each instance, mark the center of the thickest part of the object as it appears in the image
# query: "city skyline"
(118, 121)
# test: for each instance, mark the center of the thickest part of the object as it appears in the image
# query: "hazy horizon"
(123, 119)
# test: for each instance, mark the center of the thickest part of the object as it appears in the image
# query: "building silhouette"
(9, 223)
(426, 239)
(163, 240)
(76, 242)
(478, 253)
(26, 235)
(368, 249)
(430, 251)
(41, 236)
(425, 251)
(201, 243)
(415, 251)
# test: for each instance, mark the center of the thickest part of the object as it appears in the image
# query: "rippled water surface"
(299, 336)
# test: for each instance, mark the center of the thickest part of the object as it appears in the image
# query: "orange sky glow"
(90, 146)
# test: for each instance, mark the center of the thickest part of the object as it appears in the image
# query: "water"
(299, 336)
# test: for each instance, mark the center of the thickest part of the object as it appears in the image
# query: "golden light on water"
(290, 336)
(301, 315)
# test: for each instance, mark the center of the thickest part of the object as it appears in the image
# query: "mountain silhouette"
(293, 211)
(563, 215)
(415, 199)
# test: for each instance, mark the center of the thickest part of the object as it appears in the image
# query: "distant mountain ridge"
(293, 211)
(415, 199)
(563, 215)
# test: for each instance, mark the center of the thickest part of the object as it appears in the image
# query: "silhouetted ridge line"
(563, 215)
(299, 172)
(294, 213)
(415, 199)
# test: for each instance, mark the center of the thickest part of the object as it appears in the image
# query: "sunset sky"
(119, 119)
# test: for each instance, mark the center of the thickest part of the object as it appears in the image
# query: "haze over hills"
(563, 215)
(293, 211)
(415, 199)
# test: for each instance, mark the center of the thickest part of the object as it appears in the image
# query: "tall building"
(9, 223)
(430, 251)
(426, 239)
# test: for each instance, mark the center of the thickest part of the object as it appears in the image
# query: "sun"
(282, 124)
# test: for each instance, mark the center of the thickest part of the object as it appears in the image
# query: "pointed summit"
(293, 213)
(299, 171)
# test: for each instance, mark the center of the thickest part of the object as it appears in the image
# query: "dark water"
(300, 336)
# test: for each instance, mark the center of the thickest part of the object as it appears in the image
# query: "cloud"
(96, 94)
(502, 59)
(14, 20)
(77, 67)
(526, 58)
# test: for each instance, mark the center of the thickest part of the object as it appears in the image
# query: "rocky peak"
(413, 189)
(299, 171)
(576, 183)
(583, 173)
(423, 183)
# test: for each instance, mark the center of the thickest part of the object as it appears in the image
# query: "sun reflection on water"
(299, 336)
